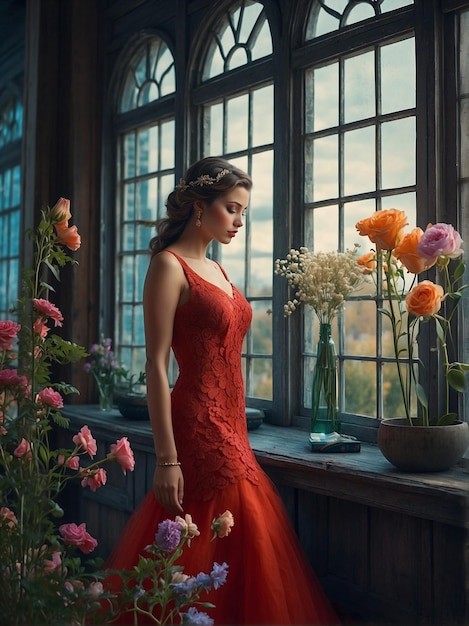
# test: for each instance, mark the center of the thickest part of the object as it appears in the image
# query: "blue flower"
(168, 535)
(197, 618)
(203, 581)
(218, 574)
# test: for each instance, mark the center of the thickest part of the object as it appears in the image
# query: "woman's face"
(224, 216)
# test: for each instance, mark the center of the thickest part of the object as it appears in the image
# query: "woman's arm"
(164, 285)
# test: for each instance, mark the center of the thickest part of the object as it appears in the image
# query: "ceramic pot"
(422, 448)
(133, 406)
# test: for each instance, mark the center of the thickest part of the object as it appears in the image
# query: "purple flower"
(87, 367)
(219, 574)
(168, 535)
(440, 240)
(193, 616)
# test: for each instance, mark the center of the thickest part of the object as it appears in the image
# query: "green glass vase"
(324, 416)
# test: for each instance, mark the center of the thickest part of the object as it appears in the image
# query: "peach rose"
(367, 263)
(60, 212)
(424, 300)
(222, 525)
(69, 237)
(384, 228)
(407, 252)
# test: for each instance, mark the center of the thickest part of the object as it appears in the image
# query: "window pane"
(359, 161)
(263, 109)
(359, 87)
(323, 159)
(147, 150)
(240, 37)
(398, 153)
(261, 225)
(398, 76)
(238, 119)
(360, 388)
(322, 110)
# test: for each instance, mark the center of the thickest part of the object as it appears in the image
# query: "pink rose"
(8, 332)
(73, 462)
(94, 479)
(440, 240)
(50, 397)
(23, 450)
(122, 453)
(222, 525)
(85, 440)
(47, 309)
(77, 536)
(11, 378)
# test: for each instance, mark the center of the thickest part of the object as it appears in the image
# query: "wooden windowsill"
(364, 477)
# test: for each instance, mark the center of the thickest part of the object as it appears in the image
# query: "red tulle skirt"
(269, 580)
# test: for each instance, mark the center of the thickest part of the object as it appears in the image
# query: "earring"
(198, 221)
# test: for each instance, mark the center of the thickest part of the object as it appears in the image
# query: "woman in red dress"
(204, 463)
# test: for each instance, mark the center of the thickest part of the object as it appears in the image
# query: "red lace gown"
(269, 580)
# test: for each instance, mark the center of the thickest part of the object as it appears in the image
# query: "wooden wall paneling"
(450, 575)
(347, 537)
(401, 562)
(312, 527)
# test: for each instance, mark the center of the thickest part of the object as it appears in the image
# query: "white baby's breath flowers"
(321, 279)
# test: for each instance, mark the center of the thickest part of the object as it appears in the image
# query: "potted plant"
(426, 438)
(131, 397)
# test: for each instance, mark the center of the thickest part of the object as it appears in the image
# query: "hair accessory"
(167, 464)
(201, 181)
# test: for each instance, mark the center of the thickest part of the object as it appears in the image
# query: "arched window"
(11, 130)
(145, 166)
(359, 156)
(239, 124)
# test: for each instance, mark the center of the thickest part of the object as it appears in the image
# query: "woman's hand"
(168, 486)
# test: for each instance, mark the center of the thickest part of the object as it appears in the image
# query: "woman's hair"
(205, 180)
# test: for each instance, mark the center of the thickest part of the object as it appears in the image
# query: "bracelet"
(168, 464)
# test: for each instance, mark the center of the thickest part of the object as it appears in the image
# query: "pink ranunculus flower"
(122, 453)
(40, 328)
(95, 589)
(8, 332)
(440, 240)
(94, 479)
(50, 397)
(77, 536)
(85, 440)
(7, 514)
(53, 564)
(46, 308)
(23, 450)
(222, 524)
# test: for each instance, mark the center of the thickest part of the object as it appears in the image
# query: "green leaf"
(447, 419)
(53, 269)
(421, 395)
(457, 379)
(459, 271)
(440, 332)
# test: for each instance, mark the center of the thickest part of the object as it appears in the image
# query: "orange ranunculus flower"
(424, 300)
(60, 213)
(69, 237)
(384, 228)
(367, 263)
(407, 253)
